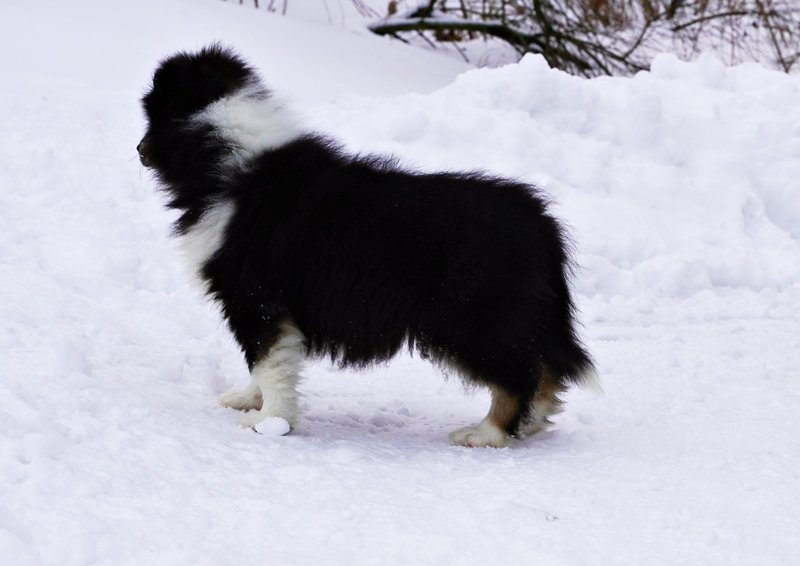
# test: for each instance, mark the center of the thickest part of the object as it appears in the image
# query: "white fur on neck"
(253, 120)
(203, 239)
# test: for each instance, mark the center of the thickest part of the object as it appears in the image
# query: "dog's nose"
(142, 150)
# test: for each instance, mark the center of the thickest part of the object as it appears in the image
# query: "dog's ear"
(218, 77)
(187, 82)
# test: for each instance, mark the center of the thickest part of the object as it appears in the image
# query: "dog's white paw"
(479, 436)
(242, 399)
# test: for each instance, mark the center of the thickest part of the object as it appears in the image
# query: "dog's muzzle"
(142, 148)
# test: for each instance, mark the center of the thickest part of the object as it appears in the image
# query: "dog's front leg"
(274, 373)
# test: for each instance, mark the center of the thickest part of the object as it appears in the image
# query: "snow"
(273, 426)
(680, 186)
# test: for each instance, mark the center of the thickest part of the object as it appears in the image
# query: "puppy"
(312, 252)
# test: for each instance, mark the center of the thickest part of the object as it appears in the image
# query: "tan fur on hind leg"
(491, 431)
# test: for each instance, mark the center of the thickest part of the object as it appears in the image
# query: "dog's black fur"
(362, 256)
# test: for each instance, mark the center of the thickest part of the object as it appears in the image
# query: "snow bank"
(677, 182)
(680, 186)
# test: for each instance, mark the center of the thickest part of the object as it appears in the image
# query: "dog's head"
(209, 118)
(183, 85)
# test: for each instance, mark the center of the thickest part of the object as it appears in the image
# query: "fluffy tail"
(572, 364)
(588, 378)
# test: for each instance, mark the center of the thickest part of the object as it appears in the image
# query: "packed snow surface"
(680, 186)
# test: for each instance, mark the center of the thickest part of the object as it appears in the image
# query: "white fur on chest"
(203, 240)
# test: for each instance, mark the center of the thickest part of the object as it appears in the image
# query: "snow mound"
(676, 182)
(273, 426)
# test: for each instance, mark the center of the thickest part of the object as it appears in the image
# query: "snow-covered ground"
(682, 188)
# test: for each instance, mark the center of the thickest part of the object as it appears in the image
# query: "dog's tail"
(588, 377)
(570, 363)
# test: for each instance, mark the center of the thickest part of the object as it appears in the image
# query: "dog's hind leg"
(274, 375)
(546, 402)
(494, 430)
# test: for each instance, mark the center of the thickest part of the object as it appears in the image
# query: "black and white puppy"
(310, 251)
